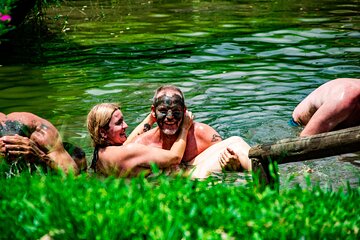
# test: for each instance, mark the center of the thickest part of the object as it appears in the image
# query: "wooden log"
(260, 175)
(264, 174)
(289, 150)
(311, 147)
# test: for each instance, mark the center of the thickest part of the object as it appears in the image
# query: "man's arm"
(327, 117)
(333, 102)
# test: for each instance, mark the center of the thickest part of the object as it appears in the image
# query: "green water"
(243, 65)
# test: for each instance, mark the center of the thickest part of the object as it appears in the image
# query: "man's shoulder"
(145, 137)
(206, 132)
(198, 126)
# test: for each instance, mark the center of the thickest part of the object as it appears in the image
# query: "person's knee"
(233, 139)
(241, 149)
(238, 141)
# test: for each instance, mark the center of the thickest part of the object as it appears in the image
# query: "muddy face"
(169, 112)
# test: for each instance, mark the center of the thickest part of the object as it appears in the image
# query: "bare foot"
(229, 160)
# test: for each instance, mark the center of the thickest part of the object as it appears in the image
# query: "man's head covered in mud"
(168, 108)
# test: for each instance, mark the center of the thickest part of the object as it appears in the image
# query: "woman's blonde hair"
(99, 118)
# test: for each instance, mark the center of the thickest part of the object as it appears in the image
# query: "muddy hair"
(11, 128)
(167, 87)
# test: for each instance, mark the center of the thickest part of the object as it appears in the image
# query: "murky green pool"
(243, 65)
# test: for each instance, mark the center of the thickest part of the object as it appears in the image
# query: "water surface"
(243, 65)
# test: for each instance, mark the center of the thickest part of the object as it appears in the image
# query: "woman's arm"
(144, 126)
(120, 158)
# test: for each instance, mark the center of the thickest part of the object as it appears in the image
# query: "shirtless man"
(168, 108)
(28, 136)
(334, 105)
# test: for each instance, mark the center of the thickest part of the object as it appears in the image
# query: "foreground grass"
(86, 207)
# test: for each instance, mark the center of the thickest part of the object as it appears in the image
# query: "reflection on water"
(243, 66)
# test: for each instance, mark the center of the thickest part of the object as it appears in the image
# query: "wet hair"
(167, 87)
(175, 99)
(11, 128)
(99, 118)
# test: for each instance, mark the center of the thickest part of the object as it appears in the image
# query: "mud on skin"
(164, 104)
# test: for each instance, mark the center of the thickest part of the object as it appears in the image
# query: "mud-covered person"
(28, 138)
(205, 150)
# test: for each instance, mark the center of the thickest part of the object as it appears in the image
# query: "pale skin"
(44, 142)
(124, 158)
(334, 105)
(205, 148)
(230, 154)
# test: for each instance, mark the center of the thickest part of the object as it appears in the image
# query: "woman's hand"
(188, 120)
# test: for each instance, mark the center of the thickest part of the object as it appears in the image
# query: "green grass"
(86, 207)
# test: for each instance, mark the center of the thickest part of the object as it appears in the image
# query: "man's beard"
(170, 132)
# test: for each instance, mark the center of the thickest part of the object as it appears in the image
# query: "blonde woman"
(115, 155)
